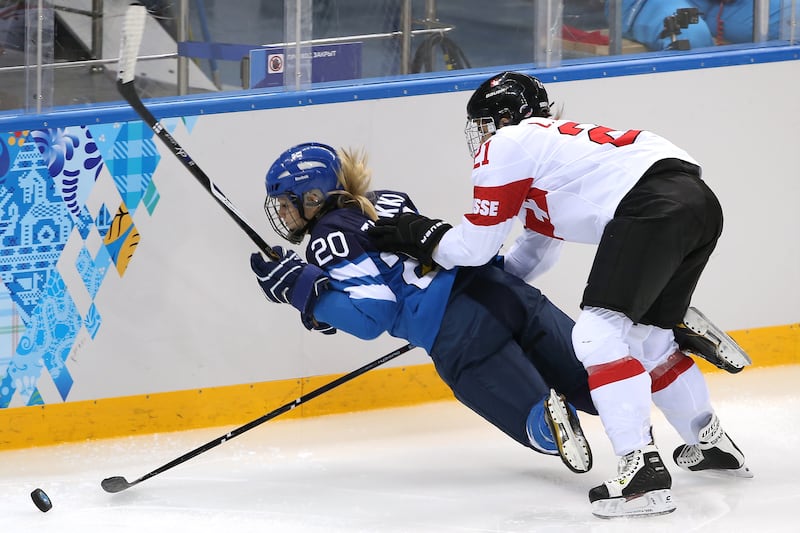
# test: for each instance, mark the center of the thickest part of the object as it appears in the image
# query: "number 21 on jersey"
(482, 157)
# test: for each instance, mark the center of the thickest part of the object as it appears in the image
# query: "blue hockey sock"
(539, 433)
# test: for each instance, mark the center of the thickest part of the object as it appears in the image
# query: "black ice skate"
(642, 487)
(697, 335)
(566, 428)
(715, 454)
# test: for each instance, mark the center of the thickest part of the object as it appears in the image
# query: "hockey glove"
(409, 233)
(291, 281)
(322, 327)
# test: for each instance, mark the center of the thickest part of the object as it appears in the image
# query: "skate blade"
(653, 503)
(742, 472)
(727, 348)
(719, 363)
(572, 445)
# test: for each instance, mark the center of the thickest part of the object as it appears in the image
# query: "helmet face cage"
(509, 95)
(476, 131)
(272, 206)
(298, 170)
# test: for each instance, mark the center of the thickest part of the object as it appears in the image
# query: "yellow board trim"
(236, 405)
(768, 346)
(233, 405)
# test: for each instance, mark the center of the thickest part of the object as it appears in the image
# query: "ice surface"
(435, 468)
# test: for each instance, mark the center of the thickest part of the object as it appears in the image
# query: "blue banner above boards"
(332, 62)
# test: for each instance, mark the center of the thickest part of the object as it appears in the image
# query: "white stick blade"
(132, 31)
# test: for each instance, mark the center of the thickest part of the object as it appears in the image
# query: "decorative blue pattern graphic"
(84, 222)
(46, 177)
(92, 273)
(10, 327)
(132, 163)
(48, 339)
(92, 321)
(103, 220)
(36, 227)
(151, 197)
(5, 159)
(73, 160)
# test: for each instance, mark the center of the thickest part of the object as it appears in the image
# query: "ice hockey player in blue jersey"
(502, 347)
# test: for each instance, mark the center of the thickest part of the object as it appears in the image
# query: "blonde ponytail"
(355, 177)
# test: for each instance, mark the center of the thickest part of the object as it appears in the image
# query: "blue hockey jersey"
(372, 292)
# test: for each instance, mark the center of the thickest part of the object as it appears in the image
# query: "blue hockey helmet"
(299, 170)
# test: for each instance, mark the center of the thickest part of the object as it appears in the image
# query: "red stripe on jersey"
(537, 214)
(493, 205)
(664, 374)
(618, 370)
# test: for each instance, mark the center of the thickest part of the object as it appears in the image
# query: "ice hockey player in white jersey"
(504, 349)
(641, 200)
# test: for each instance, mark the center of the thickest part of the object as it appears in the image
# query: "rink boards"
(130, 306)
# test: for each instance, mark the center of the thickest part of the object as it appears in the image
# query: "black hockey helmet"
(509, 95)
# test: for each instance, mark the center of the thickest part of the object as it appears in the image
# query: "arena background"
(128, 305)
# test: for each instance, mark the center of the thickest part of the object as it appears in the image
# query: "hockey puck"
(41, 500)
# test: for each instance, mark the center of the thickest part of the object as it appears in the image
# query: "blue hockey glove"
(292, 281)
(409, 233)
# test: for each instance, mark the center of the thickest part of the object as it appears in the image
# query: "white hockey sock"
(680, 392)
(621, 392)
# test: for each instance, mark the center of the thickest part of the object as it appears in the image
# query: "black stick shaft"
(128, 91)
(133, 29)
(117, 484)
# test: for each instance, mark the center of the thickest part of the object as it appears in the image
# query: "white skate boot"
(642, 487)
(716, 453)
(699, 336)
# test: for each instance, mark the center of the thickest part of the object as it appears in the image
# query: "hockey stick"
(131, 39)
(119, 483)
(132, 31)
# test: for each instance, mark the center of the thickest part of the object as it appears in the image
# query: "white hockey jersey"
(562, 179)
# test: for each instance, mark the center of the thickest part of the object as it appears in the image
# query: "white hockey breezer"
(699, 336)
(572, 445)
